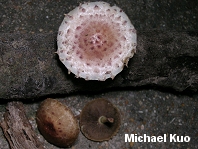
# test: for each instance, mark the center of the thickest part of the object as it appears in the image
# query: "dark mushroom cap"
(57, 123)
(92, 114)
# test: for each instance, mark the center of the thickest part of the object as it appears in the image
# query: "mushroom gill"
(99, 120)
(96, 40)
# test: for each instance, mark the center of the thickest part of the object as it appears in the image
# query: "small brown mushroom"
(99, 120)
(57, 123)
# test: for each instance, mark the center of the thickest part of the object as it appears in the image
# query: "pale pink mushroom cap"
(96, 40)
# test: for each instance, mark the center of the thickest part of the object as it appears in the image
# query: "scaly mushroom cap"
(96, 40)
(57, 123)
(99, 120)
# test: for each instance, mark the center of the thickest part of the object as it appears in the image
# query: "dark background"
(144, 111)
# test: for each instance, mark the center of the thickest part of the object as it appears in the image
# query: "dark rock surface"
(142, 112)
(168, 25)
(46, 16)
(30, 68)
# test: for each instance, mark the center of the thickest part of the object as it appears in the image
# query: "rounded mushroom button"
(57, 123)
(99, 120)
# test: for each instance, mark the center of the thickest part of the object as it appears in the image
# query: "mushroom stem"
(104, 119)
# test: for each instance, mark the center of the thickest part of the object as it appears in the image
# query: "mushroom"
(57, 123)
(96, 40)
(99, 120)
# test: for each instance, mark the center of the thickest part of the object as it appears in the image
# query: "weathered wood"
(17, 129)
(29, 66)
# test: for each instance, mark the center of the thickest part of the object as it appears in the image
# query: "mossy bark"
(30, 67)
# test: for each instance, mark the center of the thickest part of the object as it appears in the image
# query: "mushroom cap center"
(97, 41)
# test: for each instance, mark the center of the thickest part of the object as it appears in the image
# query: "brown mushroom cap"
(57, 123)
(99, 120)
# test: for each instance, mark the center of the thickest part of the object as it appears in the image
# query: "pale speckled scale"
(96, 40)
